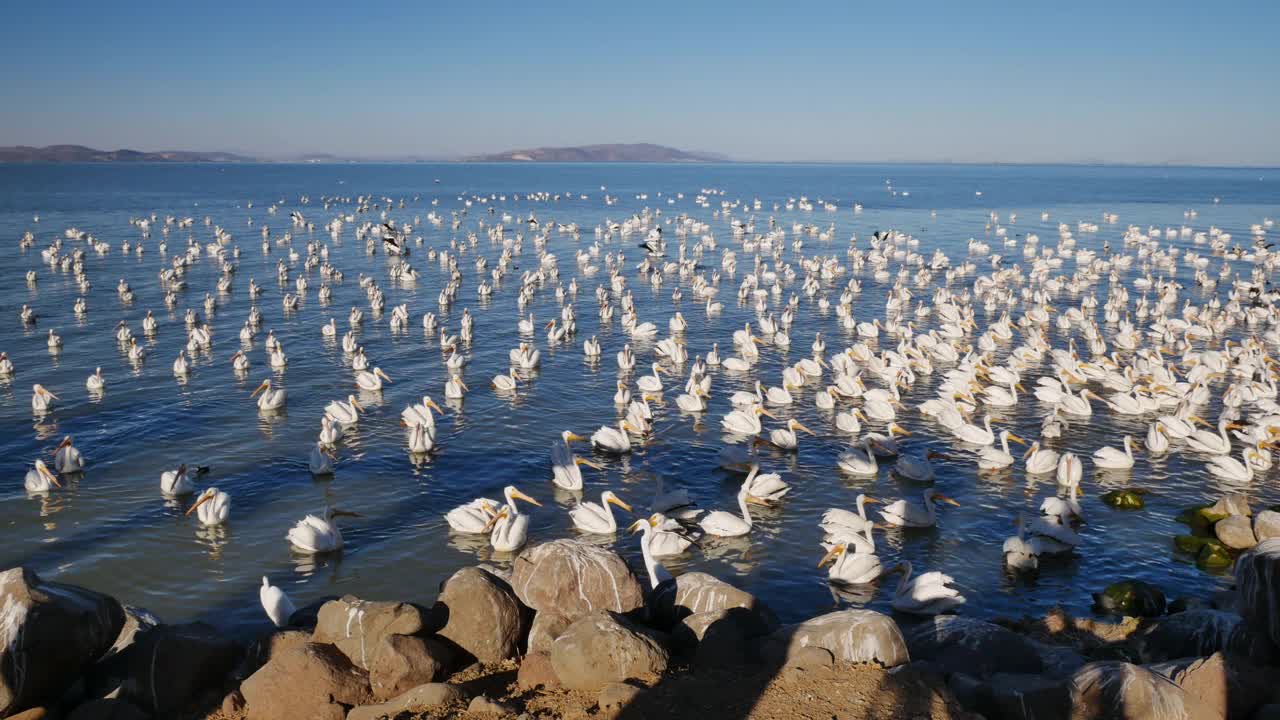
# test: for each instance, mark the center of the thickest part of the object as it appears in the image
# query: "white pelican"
(743, 400)
(993, 458)
(455, 388)
(1213, 443)
(328, 431)
(278, 358)
(321, 460)
(1020, 551)
(96, 383)
(721, 523)
(1070, 469)
(277, 605)
(240, 361)
(905, 514)
(55, 341)
(1230, 469)
(40, 479)
(67, 458)
(694, 401)
(851, 568)
(371, 379)
(1040, 461)
(613, 440)
(669, 537)
(591, 347)
(472, 518)
(929, 594)
(859, 462)
(272, 398)
(1113, 459)
(976, 435)
(342, 413)
(509, 529)
(626, 358)
(329, 329)
(1157, 438)
(1053, 535)
(651, 383)
(916, 469)
(1077, 405)
(837, 521)
(769, 487)
(598, 518)
(314, 535)
(657, 574)
(785, 438)
(212, 508)
(675, 502)
(6, 365)
(745, 422)
(504, 383)
(564, 464)
(848, 421)
(175, 482)
(180, 366)
(420, 414)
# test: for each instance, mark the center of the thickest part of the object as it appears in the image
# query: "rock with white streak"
(574, 579)
(357, 627)
(851, 636)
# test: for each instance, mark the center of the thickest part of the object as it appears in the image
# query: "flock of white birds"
(1148, 347)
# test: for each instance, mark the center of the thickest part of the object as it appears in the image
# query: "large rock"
(1236, 532)
(195, 661)
(698, 592)
(403, 662)
(1193, 633)
(851, 636)
(547, 626)
(422, 697)
(315, 681)
(481, 615)
(1108, 690)
(605, 647)
(575, 579)
(1266, 525)
(1231, 504)
(1227, 686)
(1131, 597)
(1258, 588)
(49, 633)
(356, 626)
(971, 646)
(268, 646)
(535, 670)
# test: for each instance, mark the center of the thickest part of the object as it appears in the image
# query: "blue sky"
(807, 81)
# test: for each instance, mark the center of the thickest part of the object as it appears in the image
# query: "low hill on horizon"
(81, 153)
(623, 152)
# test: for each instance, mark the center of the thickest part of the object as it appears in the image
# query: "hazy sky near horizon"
(1147, 82)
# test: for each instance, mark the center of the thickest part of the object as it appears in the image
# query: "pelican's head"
(1015, 438)
(569, 436)
(896, 429)
(794, 425)
(458, 379)
(639, 525)
(66, 442)
(44, 472)
(761, 411)
(266, 385)
(379, 373)
(939, 496)
(512, 493)
(39, 389)
(834, 554)
(612, 499)
(206, 496)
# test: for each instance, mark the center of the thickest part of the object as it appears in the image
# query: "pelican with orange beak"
(67, 458)
(785, 438)
(272, 398)
(314, 535)
(565, 472)
(40, 479)
(345, 414)
(212, 508)
(41, 399)
(509, 529)
(598, 518)
(371, 379)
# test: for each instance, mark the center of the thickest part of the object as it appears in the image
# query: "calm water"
(112, 530)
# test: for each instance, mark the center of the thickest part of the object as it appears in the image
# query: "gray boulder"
(1106, 690)
(1258, 588)
(1226, 685)
(49, 634)
(546, 627)
(1266, 525)
(971, 646)
(481, 615)
(851, 636)
(605, 647)
(698, 592)
(403, 662)
(574, 579)
(195, 661)
(357, 626)
(1193, 633)
(1236, 532)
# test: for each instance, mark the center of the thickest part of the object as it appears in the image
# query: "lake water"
(113, 531)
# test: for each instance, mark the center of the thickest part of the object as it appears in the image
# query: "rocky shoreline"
(570, 632)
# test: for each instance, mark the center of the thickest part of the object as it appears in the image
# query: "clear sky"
(1118, 81)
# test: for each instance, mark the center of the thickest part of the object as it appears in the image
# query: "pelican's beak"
(432, 404)
(261, 388)
(896, 428)
(588, 463)
(1019, 386)
(357, 404)
(55, 397)
(1197, 418)
(66, 442)
(526, 498)
(549, 325)
(464, 385)
(1235, 426)
(802, 427)
(494, 520)
(869, 499)
(382, 374)
(574, 436)
(636, 526)
(946, 499)
(50, 476)
(1017, 439)
(831, 555)
(762, 411)
(620, 504)
(758, 501)
(1079, 491)
(206, 497)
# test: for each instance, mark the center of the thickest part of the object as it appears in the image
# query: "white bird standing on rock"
(278, 606)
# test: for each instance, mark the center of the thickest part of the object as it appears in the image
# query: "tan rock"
(316, 681)
(574, 579)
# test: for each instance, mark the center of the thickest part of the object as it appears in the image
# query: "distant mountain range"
(80, 153)
(635, 152)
